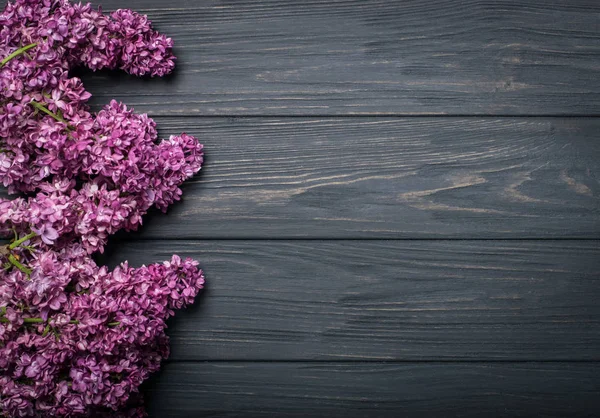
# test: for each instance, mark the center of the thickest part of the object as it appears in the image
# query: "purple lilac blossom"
(100, 333)
(47, 133)
(37, 145)
(75, 338)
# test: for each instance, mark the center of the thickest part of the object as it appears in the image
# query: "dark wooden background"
(400, 210)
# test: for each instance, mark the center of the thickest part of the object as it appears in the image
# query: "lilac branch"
(17, 53)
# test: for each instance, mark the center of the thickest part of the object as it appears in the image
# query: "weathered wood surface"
(375, 390)
(377, 57)
(328, 326)
(286, 57)
(388, 177)
(386, 300)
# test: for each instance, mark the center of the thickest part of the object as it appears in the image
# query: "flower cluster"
(46, 129)
(121, 173)
(77, 339)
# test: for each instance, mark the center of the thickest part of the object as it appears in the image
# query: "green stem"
(13, 260)
(5, 251)
(17, 53)
(36, 321)
(44, 109)
(33, 320)
(41, 321)
(20, 241)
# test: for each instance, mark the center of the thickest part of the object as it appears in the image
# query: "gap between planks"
(373, 115)
(126, 239)
(374, 361)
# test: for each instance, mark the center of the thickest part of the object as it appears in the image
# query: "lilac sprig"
(50, 141)
(75, 338)
(46, 129)
(89, 337)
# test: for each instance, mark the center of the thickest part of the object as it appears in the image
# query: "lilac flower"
(106, 329)
(46, 233)
(46, 127)
(75, 338)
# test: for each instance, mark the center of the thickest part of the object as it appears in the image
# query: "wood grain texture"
(331, 319)
(388, 178)
(356, 57)
(375, 390)
(284, 57)
(386, 300)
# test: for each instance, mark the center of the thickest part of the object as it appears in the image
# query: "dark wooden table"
(400, 210)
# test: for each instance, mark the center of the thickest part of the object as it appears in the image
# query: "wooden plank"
(375, 390)
(388, 178)
(284, 57)
(386, 300)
